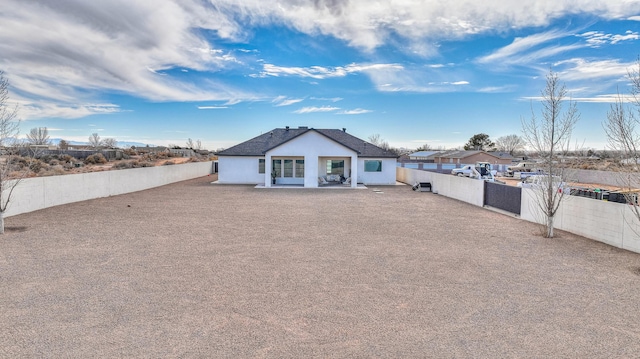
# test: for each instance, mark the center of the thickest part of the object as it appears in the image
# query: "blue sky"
(224, 71)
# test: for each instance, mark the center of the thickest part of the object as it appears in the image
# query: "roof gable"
(259, 145)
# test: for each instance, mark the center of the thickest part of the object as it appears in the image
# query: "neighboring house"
(182, 152)
(468, 157)
(422, 155)
(299, 156)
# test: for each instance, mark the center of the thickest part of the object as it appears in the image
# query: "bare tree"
(110, 143)
(63, 145)
(198, 145)
(378, 141)
(509, 143)
(95, 141)
(190, 143)
(550, 136)
(624, 138)
(9, 129)
(424, 147)
(38, 136)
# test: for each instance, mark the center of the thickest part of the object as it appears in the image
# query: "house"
(422, 155)
(299, 156)
(468, 157)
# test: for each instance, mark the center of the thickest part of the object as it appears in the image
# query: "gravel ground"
(200, 270)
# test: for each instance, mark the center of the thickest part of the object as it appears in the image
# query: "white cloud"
(332, 99)
(520, 50)
(357, 111)
(320, 72)
(45, 109)
(598, 38)
(212, 107)
(578, 69)
(232, 102)
(312, 109)
(367, 25)
(607, 98)
(69, 52)
(284, 101)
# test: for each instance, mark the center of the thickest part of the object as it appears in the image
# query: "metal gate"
(504, 197)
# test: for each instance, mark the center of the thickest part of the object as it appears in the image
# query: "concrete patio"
(200, 270)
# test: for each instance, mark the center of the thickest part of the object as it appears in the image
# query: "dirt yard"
(194, 269)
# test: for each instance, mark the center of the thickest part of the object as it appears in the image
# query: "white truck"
(521, 167)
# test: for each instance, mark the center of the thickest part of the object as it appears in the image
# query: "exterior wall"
(241, 170)
(32, 194)
(607, 222)
(312, 146)
(386, 177)
(478, 157)
(596, 177)
(461, 188)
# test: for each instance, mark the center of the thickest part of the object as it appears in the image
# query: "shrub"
(36, 166)
(97, 158)
(53, 171)
(121, 165)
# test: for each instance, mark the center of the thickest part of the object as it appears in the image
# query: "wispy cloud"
(521, 50)
(212, 107)
(356, 111)
(332, 99)
(598, 38)
(45, 109)
(320, 72)
(578, 69)
(284, 101)
(607, 98)
(312, 109)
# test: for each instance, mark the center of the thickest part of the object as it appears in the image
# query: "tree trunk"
(549, 227)
(1, 222)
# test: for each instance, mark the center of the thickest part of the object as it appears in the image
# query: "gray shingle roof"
(257, 146)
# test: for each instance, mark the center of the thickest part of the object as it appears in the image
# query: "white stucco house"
(300, 156)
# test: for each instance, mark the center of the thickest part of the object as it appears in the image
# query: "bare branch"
(550, 136)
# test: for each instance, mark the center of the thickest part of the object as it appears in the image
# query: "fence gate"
(504, 197)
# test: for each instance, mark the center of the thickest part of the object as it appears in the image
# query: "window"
(300, 168)
(288, 168)
(373, 166)
(277, 167)
(335, 167)
(261, 165)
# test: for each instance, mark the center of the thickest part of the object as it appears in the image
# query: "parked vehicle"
(521, 167)
(463, 171)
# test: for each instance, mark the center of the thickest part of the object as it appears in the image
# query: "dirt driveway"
(213, 271)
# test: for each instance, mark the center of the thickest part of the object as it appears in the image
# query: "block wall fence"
(32, 194)
(607, 222)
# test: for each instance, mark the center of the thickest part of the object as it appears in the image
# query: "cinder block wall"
(463, 189)
(607, 222)
(32, 194)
